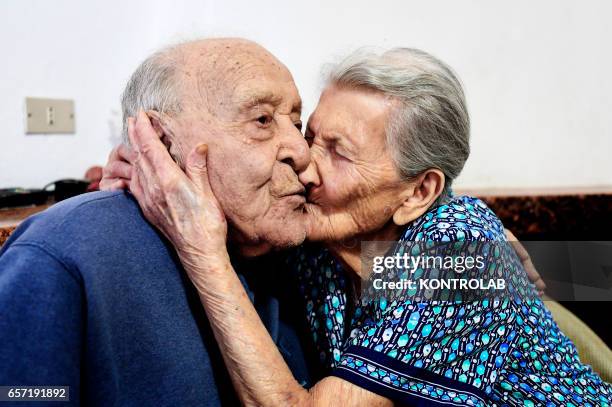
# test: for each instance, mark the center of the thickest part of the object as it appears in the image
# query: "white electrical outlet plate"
(44, 116)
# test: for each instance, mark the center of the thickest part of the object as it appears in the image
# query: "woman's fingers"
(117, 171)
(152, 159)
(146, 142)
(157, 178)
(125, 153)
(136, 188)
(116, 185)
(525, 258)
(196, 168)
(143, 137)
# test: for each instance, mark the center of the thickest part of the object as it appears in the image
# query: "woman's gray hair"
(430, 128)
(153, 86)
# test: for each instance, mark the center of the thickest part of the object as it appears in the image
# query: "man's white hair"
(430, 128)
(152, 86)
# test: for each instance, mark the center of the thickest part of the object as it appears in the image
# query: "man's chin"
(287, 234)
(282, 232)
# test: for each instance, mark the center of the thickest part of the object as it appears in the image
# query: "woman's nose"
(310, 176)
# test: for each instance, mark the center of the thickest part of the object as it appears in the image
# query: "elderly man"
(92, 297)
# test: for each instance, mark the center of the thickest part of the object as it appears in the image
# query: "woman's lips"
(313, 195)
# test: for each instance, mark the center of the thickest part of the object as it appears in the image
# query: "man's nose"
(310, 176)
(294, 150)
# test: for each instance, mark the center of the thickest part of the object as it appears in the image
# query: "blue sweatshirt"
(93, 297)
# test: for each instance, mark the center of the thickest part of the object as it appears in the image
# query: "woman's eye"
(338, 154)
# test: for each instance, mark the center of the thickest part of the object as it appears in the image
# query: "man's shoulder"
(90, 220)
(108, 201)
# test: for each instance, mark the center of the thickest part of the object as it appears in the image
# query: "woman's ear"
(421, 194)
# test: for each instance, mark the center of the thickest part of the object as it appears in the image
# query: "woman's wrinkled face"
(353, 185)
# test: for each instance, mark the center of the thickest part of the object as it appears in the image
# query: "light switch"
(49, 116)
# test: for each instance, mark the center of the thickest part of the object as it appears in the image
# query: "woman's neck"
(349, 251)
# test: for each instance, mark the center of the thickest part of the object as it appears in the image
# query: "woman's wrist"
(205, 261)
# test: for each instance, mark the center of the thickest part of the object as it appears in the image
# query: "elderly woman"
(389, 135)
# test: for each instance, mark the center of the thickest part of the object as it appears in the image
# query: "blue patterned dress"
(476, 353)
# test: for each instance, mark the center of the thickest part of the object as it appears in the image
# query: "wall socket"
(45, 116)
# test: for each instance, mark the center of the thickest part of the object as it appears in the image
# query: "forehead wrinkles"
(254, 76)
(214, 77)
(362, 134)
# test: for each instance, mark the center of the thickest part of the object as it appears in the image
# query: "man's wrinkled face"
(353, 184)
(244, 104)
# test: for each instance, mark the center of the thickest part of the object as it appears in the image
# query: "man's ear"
(162, 126)
(157, 122)
(421, 194)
